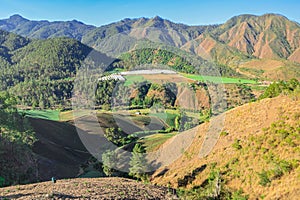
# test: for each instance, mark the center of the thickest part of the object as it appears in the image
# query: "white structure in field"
(120, 76)
(117, 77)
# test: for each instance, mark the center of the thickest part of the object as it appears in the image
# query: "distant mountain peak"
(16, 17)
(77, 22)
(273, 15)
(158, 18)
(264, 16)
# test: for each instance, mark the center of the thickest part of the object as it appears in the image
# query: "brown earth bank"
(97, 188)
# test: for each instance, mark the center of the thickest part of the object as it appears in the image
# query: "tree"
(109, 160)
(7, 101)
(183, 119)
(280, 87)
(138, 163)
(42, 102)
(114, 135)
(2, 181)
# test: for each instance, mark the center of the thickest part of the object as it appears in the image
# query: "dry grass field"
(257, 138)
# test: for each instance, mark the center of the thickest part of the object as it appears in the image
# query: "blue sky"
(99, 12)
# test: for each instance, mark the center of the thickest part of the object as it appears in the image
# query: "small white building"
(117, 77)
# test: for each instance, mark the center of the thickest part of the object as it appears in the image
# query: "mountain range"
(265, 46)
(256, 155)
(44, 29)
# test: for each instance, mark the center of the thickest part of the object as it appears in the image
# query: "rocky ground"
(99, 188)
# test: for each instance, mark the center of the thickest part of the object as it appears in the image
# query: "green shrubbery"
(213, 187)
(118, 137)
(264, 179)
(16, 138)
(2, 181)
(281, 87)
(237, 144)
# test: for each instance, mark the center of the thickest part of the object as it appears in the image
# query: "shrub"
(224, 133)
(264, 179)
(2, 181)
(277, 88)
(239, 195)
(236, 145)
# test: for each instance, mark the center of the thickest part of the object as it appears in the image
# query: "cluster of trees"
(17, 161)
(183, 122)
(41, 73)
(118, 137)
(140, 94)
(138, 164)
(179, 63)
(154, 56)
(281, 87)
(149, 94)
(104, 93)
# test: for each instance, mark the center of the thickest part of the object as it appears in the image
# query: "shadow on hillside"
(189, 178)
(59, 149)
(15, 196)
(64, 196)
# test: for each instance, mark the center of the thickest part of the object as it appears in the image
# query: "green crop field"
(42, 114)
(167, 117)
(216, 79)
(130, 79)
(153, 142)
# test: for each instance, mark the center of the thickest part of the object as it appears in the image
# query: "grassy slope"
(270, 69)
(42, 114)
(241, 167)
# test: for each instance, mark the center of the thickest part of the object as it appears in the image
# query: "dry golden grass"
(270, 69)
(295, 56)
(263, 64)
(245, 123)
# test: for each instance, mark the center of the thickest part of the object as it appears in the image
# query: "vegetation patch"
(130, 79)
(281, 87)
(168, 117)
(53, 115)
(153, 142)
(219, 79)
